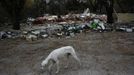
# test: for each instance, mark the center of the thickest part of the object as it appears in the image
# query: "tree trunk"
(109, 9)
(110, 15)
(16, 25)
(16, 22)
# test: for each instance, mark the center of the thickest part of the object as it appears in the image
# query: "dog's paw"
(41, 71)
(57, 72)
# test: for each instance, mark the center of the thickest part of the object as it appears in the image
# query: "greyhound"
(55, 55)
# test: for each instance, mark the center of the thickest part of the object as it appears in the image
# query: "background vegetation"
(16, 11)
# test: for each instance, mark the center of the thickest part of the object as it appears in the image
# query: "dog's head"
(43, 64)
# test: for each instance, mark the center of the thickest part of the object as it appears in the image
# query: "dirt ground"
(108, 53)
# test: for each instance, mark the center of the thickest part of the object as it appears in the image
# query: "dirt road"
(108, 53)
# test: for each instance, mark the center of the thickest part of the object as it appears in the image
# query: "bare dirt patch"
(108, 53)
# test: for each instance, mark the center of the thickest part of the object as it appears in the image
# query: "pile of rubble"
(61, 31)
(64, 30)
(125, 27)
(86, 16)
(64, 26)
(9, 34)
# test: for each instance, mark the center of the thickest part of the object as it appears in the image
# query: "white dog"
(55, 55)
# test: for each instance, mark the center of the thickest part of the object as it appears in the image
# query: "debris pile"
(86, 16)
(62, 30)
(65, 26)
(125, 27)
(8, 34)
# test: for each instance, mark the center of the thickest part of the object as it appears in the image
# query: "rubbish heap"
(64, 26)
(8, 34)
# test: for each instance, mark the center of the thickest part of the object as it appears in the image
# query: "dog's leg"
(68, 54)
(76, 58)
(50, 66)
(58, 67)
